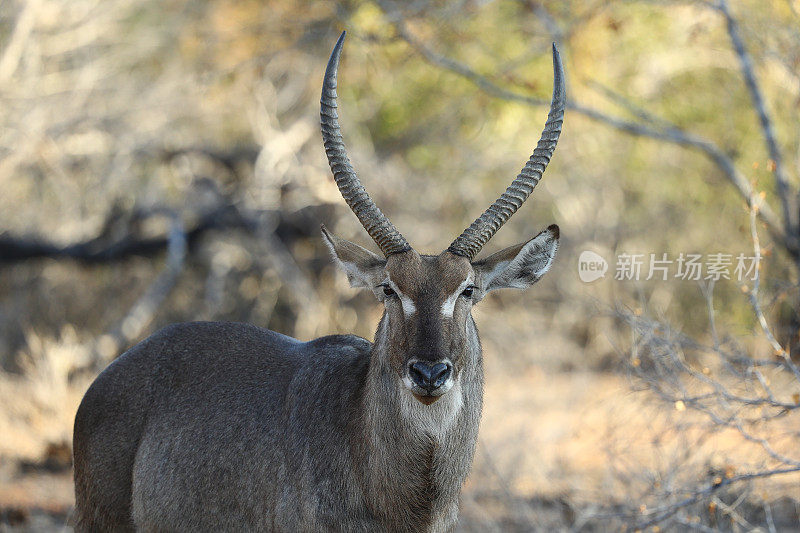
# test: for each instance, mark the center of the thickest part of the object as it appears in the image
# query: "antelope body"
(230, 427)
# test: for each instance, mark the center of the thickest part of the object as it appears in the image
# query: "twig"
(16, 44)
(730, 510)
(632, 108)
(548, 21)
(753, 296)
(708, 293)
(768, 515)
(302, 293)
(666, 511)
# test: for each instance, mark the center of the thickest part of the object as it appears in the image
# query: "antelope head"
(427, 323)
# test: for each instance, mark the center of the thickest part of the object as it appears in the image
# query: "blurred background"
(162, 162)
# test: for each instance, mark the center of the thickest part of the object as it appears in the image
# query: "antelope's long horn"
(469, 243)
(377, 225)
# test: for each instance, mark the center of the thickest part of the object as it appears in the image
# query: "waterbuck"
(219, 426)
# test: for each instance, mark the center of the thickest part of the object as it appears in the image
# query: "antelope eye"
(388, 291)
(467, 293)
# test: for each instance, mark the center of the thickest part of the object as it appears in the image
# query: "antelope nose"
(429, 376)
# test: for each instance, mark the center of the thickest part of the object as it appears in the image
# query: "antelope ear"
(364, 269)
(520, 266)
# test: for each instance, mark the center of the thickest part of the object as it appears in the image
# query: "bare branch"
(746, 63)
(142, 312)
(107, 248)
(547, 20)
(664, 132)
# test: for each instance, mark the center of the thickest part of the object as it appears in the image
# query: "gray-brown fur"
(229, 427)
(214, 426)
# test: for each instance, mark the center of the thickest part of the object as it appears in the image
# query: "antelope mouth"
(426, 398)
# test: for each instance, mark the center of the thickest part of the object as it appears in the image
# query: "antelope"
(211, 426)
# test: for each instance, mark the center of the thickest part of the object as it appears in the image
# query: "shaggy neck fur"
(415, 458)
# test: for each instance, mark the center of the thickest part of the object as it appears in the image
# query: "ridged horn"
(377, 225)
(470, 242)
